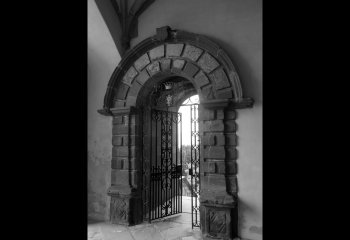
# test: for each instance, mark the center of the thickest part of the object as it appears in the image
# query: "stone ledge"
(122, 110)
(105, 112)
(207, 204)
(244, 103)
(216, 103)
(122, 191)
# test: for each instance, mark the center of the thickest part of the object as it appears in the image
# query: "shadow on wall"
(246, 210)
(250, 83)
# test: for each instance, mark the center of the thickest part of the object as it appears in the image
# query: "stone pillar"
(218, 170)
(126, 201)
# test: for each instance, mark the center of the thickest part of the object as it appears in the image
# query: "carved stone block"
(224, 93)
(121, 91)
(208, 92)
(117, 120)
(130, 75)
(120, 129)
(134, 90)
(231, 153)
(142, 77)
(220, 79)
(125, 209)
(157, 52)
(207, 63)
(118, 163)
(130, 101)
(126, 177)
(219, 220)
(214, 125)
(119, 103)
(201, 79)
(231, 139)
(230, 125)
(117, 140)
(178, 63)
(192, 52)
(165, 64)
(162, 33)
(214, 152)
(230, 114)
(120, 151)
(190, 69)
(217, 226)
(153, 68)
(119, 210)
(174, 50)
(142, 62)
(206, 114)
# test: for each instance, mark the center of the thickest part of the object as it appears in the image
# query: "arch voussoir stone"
(176, 52)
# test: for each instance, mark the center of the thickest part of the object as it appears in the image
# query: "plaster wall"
(236, 25)
(103, 57)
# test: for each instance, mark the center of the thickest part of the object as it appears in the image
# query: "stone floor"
(177, 227)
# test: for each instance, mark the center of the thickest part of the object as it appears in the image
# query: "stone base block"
(126, 209)
(219, 221)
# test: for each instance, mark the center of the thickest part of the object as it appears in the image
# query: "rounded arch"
(174, 53)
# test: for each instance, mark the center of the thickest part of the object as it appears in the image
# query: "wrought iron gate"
(166, 164)
(194, 170)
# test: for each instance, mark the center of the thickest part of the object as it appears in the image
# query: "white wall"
(103, 57)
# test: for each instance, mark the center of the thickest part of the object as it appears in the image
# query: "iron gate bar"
(164, 182)
(150, 174)
(180, 116)
(191, 172)
(194, 165)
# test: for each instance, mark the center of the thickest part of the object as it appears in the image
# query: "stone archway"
(175, 53)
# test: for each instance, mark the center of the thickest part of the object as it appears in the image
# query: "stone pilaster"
(218, 170)
(126, 201)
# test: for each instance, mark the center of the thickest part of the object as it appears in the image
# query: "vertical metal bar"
(158, 190)
(155, 206)
(142, 166)
(152, 163)
(192, 169)
(181, 159)
(172, 164)
(156, 211)
(199, 167)
(177, 149)
(161, 167)
(150, 172)
(166, 166)
(195, 163)
(195, 124)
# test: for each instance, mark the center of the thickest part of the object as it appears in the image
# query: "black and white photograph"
(174, 120)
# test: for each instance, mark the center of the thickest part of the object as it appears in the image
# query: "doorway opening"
(171, 151)
(191, 158)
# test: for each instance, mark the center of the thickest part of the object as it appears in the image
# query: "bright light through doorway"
(186, 119)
